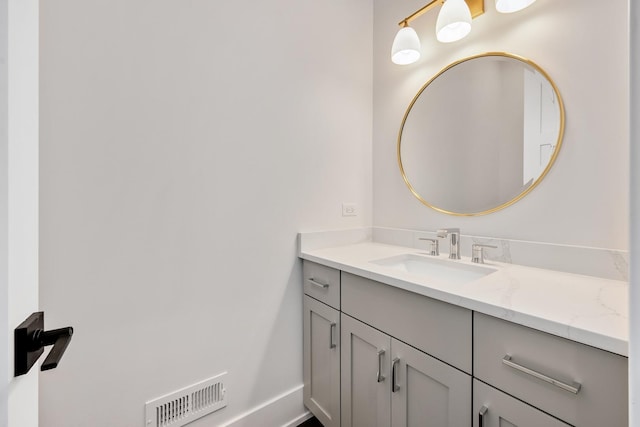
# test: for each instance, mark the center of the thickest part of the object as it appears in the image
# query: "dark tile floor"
(313, 422)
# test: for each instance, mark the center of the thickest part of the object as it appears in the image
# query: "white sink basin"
(435, 268)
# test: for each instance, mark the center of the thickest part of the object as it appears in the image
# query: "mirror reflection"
(481, 134)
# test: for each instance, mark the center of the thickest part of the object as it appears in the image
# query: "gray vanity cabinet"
(321, 342)
(322, 283)
(386, 382)
(427, 392)
(321, 364)
(581, 385)
(366, 365)
(493, 408)
(439, 329)
(379, 356)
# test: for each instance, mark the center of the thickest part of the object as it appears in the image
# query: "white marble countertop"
(586, 309)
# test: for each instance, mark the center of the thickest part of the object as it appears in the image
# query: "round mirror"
(481, 134)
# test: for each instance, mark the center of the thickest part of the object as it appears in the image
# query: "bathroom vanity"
(387, 345)
(396, 334)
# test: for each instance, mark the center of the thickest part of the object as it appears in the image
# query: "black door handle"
(30, 340)
(59, 338)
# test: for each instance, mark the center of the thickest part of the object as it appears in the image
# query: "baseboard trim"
(299, 420)
(284, 410)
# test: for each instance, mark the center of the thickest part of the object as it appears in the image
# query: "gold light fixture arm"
(476, 7)
(424, 9)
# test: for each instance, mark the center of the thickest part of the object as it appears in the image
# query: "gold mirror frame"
(528, 189)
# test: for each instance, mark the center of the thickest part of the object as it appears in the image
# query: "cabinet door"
(493, 408)
(322, 361)
(366, 365)
(427, 392)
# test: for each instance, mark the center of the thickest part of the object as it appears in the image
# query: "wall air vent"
(188, 404)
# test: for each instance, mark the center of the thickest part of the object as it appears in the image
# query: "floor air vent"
(188, 404)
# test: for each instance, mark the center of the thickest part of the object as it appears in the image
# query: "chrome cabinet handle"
(379, 376)
(573, 388)
(316, 283)
(394, 375)
(332, 330)
(483, 411)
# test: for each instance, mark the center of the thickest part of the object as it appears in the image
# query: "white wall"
(634, 289)
(584, 48)
(183, 146)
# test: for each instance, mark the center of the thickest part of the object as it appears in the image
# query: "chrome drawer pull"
(483, 411)
(321, 285)
(394, 375)
(332, 330)
(573, 388)
(379, 376)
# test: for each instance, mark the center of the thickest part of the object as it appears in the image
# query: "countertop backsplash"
(604, 263)
(597, 262)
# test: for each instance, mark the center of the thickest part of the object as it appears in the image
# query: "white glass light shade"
(454, 21)
(509, 6)
(406, 47)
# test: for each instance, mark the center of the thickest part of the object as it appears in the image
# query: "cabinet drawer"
(581, 385)
(437, 328)
(493, 408)
(322, 283)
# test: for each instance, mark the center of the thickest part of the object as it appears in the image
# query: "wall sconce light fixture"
(509, 6)
(453, 24)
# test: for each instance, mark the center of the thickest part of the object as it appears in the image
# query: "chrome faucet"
(435, 247)
(454, 241)
(477, 252)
